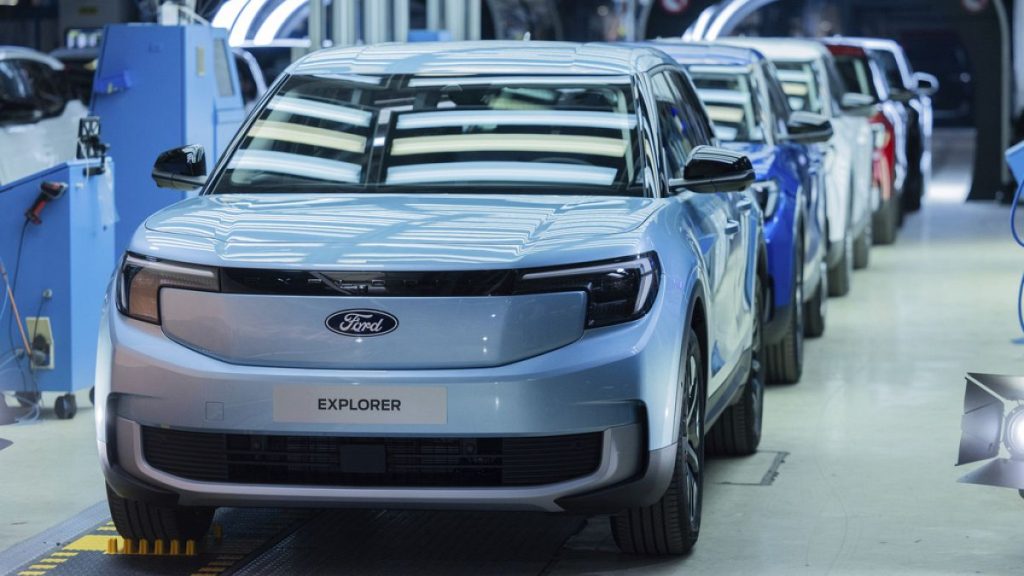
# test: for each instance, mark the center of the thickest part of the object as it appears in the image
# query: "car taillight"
(140, 280)
(617, 290)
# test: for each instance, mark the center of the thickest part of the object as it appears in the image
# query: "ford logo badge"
(361, 323)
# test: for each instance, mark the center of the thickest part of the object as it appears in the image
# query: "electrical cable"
(1020, 242)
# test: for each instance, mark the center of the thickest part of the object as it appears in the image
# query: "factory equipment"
(56, 256)
(160, 87)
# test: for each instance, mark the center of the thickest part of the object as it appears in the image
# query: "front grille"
(371, 462)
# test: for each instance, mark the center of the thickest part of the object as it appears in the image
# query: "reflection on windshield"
(800, 86)
(730, 97)
(329, 133)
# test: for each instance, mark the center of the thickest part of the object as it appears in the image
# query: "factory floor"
(855, 473)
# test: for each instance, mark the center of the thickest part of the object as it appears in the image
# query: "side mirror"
(927, 84)
(856, 104)
(711, 169)
(808, 128)
(181, 168)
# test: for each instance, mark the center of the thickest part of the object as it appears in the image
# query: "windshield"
(479, 134)
(729, 94)
(800, 86)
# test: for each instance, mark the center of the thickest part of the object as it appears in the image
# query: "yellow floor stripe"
(90, 543)
(41, 567)
(107, 529)
(31, 573)
(68, 554)
(53, 560)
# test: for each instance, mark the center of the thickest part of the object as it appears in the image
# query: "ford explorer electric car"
(484, 275)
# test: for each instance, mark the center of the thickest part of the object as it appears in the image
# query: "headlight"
(767, 196)
(140, 281)
(617, 290)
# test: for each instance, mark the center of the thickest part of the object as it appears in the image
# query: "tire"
(862, 248)
(143, 521)
(885, 222)
(671, 525)
(839, 275)
(815, 309)
(784, 360)
(738, 431)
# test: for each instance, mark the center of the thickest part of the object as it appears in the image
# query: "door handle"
(732, 227)
(745, 205)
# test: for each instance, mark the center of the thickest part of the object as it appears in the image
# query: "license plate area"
(361, 404)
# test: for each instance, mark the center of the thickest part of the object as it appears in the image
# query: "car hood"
(397, 231)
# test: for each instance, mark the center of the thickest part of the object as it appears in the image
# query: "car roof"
(782, 48)
(22, 53)
(688, 53)
(483, 57)
(870, 43)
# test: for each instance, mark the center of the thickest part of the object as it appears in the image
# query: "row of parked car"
(829, 195)
(494, 275)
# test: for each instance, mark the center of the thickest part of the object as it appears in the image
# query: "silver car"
(491, 275)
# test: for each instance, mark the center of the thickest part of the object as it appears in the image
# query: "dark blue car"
(744, 99)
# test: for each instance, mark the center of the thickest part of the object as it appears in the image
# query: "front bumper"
(611, 381)
(626, 476)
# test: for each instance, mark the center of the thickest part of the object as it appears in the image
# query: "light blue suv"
(488, 275)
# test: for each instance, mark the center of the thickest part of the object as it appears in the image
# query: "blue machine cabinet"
(69, 256)
(160, 87)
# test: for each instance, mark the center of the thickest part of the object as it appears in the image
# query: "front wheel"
(784, 360)
(862, 248)
(671, 525)
(839, 275)
(886, 222)
(738, 431)
(139, 520)
(815, 309)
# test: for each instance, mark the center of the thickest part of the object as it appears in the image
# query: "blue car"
(496, 275)
(745, 101)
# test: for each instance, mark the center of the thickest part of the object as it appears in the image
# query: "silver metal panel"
(272, 330)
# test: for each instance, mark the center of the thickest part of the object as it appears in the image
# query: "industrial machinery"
(160, 87)
(56, 255)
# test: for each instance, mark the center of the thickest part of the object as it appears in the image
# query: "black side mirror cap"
(181, 168)
(712, 169)
(808, 128)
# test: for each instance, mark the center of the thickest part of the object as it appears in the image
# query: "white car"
(812, 84)
(38, 115)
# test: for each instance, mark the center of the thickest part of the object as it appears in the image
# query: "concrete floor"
(866, 441)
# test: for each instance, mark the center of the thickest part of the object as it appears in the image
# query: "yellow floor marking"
(92, 543)
(68, 554)
(31, 573)
(41, 567)
(107, 529)
(53, 560)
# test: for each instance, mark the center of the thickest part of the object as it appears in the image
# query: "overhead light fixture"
(993, 419)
